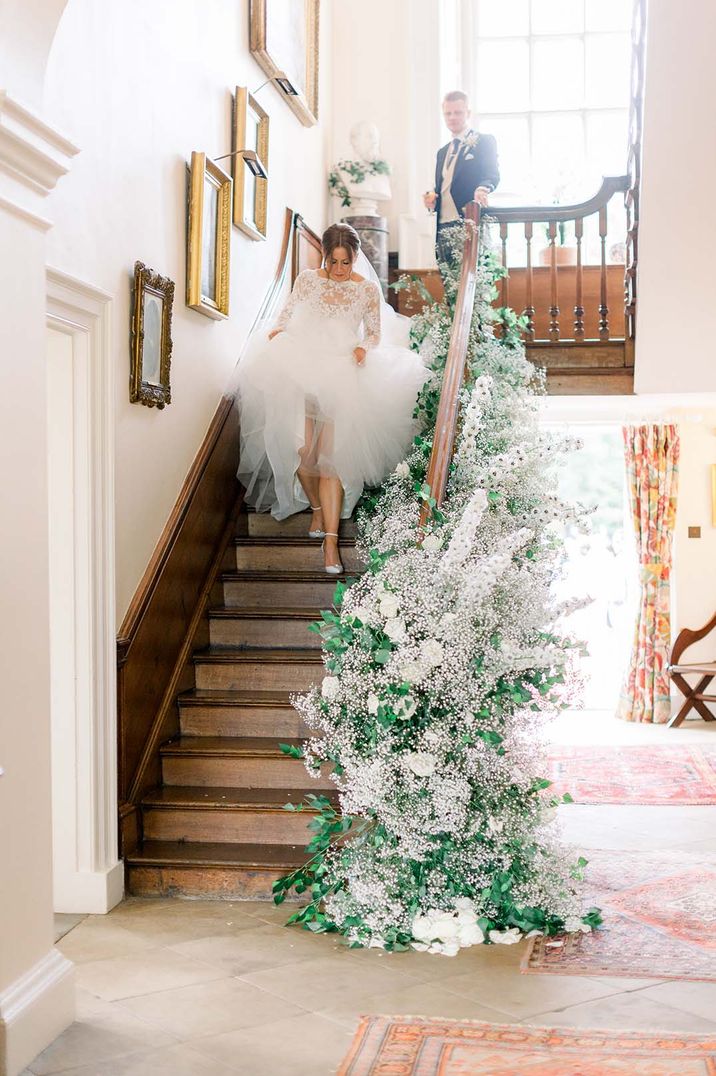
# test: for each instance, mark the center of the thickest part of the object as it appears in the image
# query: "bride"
(327, 397)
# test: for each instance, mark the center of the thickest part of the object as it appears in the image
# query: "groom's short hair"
(457, 95)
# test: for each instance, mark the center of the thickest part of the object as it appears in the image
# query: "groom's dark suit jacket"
(475, 167)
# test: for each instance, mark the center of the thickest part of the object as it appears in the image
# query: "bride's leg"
(331, 495)
(308, 476)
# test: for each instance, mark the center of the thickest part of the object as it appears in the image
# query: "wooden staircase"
(216, 826)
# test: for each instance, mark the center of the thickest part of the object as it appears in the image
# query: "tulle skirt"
(305, 403)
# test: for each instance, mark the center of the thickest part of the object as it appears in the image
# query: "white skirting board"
(34, 1010)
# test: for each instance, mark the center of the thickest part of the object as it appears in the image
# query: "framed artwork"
(208, 238)
(151, 339)
(284, 42)
(250, 144)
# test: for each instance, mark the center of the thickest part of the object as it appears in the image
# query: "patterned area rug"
(678, 776)
(400, 1046)
(659, 921)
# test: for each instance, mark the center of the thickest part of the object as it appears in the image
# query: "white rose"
(464, 904)
(402, 470)
(361, 613)
(330, 687)
(422, 928)
(395, 629)
(432, 652)
(420, 947)
(574, 924)
(373, 703)
(505, 937)
(431, 543)
(411, 671)
(446, 927)
(450, 948)
(421, 763)
(470, 934)
(389, 606)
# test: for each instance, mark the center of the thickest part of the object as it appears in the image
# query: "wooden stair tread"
(242, 612)
(228, 746)
(173, 796)
(227, 697)
(288, 541)
(286, 575)
(227, 655)
(189, 854)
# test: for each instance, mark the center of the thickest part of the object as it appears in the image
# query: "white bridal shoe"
(332, 569)
(317, 533)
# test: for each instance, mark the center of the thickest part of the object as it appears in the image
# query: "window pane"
(558, 73)
(502, 76)
(558, 156)
(607, 74)
(502, 18)
(609, 14)
(606, 143)
(557, 17)
(513, 149)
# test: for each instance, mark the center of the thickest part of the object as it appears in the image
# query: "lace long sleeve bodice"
(354, 302)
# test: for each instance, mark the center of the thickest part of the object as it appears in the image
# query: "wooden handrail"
(446, 422)
(543, 214)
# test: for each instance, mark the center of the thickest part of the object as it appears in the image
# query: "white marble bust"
(365, 196)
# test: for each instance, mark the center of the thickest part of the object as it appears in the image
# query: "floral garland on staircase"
(444, 662)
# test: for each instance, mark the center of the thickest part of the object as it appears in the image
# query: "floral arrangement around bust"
(358, 171)
(444, 661)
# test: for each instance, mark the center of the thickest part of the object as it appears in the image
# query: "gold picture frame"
(284, 41)
(250, 145)
(151, 338)
(208, 238)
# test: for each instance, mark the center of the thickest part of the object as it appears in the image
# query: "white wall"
(139, 86)
(694, 579)
(676, 349)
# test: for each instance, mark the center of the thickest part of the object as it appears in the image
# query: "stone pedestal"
(373, 232)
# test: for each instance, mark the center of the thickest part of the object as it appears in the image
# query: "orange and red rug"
(671, 776)
(389, 1046)
(659, 920)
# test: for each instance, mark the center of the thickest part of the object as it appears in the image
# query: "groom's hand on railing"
(481, 194)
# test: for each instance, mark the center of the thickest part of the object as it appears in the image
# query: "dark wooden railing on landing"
(446, 422)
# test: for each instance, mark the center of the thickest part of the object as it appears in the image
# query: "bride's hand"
(274, 332)
(359, 355)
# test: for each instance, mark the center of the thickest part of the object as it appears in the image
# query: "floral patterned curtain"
(652, 457)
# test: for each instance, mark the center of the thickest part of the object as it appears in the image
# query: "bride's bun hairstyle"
(340, 235)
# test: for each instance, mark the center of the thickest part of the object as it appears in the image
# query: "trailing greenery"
(358, 171)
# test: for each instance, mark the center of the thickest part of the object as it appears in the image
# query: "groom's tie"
(454, 147)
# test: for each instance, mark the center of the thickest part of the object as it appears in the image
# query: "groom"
(466, 170)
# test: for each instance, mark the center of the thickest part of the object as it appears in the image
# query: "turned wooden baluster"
(529, 308)
(505, 282)
(579, 297)
(603, 308)
(554, 308)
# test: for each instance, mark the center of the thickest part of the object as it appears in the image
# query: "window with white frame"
(550, 79)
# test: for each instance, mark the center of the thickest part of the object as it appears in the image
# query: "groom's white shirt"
(448, 209)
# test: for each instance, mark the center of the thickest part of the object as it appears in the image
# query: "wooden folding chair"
(695, 697)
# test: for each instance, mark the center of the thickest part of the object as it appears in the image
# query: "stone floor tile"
(180, 1060)
(423, 999)
(265, 946)
(696, 998)
(631, 1011)
(524, 995)
(96, 1039)
(210, 1008)
(66, 921)
(318, 982)
(143, 973)
(98, 939)
(310, 1045)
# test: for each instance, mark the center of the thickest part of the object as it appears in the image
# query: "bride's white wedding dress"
(304, 385)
